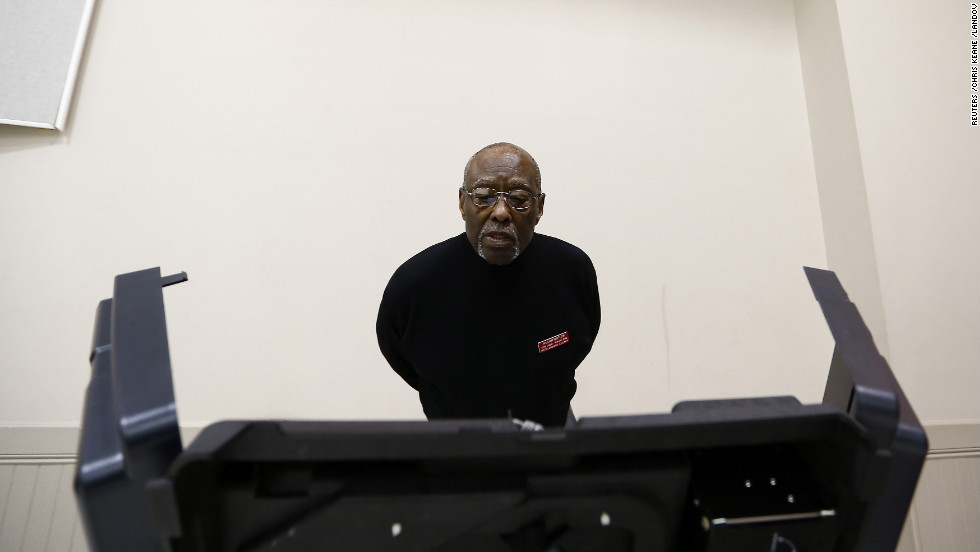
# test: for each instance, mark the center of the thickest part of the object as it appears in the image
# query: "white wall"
(897, 171)
(920, 158)
(290, 155)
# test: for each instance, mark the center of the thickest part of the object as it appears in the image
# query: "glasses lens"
(483, 197)
(519, 200)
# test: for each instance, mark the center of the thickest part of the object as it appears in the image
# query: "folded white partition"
(41, 44)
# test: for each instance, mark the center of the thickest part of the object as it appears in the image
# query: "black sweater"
(473, 338)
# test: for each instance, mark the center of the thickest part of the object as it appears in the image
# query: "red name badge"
(552, 342)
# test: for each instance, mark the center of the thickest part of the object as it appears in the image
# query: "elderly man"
(493, 322)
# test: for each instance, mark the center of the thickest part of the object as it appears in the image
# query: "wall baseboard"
(41, 444)
(953, 438)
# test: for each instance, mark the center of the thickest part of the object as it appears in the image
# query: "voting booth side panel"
(862, 384)
(130, 433)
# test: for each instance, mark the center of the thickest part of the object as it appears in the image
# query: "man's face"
(499, 233)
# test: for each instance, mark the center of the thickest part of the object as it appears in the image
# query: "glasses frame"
(497, 195)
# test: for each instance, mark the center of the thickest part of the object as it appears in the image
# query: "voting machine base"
(767, 474)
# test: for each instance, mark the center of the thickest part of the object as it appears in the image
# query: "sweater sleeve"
(596, 309)
(592, 299)
(390, 328)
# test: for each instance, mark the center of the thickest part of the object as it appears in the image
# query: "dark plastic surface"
(129, 426)
(862, 384)
(846, 469)
(482, 485)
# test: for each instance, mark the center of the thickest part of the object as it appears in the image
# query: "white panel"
(42, 505)
(14, 524)
(65, 513)
(947, 504)
(78, 542)
(906, 541)
(40, 49)
(6, 480)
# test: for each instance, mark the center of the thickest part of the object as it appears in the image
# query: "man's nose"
(500, 210)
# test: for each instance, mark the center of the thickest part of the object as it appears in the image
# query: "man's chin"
(499, 255)
(499, 258)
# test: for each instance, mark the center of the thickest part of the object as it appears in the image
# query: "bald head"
(504, 147)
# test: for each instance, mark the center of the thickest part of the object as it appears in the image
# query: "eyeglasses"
(519, 200)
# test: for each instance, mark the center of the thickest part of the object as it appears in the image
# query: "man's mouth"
(499, 238)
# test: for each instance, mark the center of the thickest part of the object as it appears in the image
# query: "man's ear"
(540, 208)
(462, 200)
